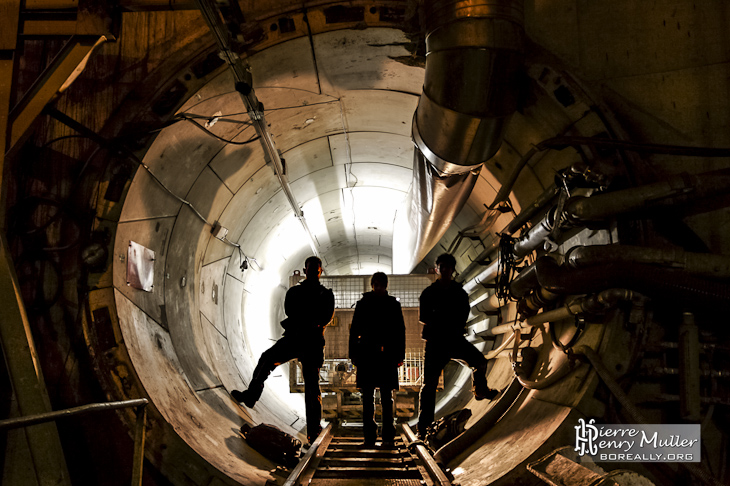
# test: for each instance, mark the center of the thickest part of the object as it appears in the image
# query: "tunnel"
(151, 233)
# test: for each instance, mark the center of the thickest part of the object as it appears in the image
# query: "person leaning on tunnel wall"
(309, 307)
(377, 348)
(444, 310)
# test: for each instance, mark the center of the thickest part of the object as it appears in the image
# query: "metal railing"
(341, 372)
(139, 429)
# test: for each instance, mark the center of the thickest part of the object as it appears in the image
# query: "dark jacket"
(377, 341)
(444, 310)
(309, 307)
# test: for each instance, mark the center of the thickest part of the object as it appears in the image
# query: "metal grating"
(407, 288)
(349, 289)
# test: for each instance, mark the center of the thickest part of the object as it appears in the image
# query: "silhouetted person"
(444, 309)
(309, 307)
(377, 348)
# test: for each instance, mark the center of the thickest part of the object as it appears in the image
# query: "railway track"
(339, 458)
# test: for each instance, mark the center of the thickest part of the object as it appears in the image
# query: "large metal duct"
(474, 52)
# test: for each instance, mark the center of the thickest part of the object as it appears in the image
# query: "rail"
(139, 429)
(437, 475)
(304, 462)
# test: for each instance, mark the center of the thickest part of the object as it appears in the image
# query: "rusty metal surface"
(557, 470)
(213, 431)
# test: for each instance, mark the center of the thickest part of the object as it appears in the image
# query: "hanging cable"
(208, 132)
(136, 159)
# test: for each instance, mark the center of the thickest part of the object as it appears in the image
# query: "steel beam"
(63, 70)
(139, 439)
(689, 366)
(27, 377)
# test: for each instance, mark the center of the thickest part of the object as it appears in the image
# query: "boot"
(247, 397)
(481, 387)
(256, 387)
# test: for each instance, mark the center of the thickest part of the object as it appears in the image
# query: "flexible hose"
(659, 283)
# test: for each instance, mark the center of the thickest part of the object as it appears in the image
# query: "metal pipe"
(689, 363)
(26, 421)
(677, 190)
(672, 285)
(562, 142)
(528, 212)
(303, 464)
(486, 275)
(466, 275)
(244, 86)
(433, 469)
(518, 221)
(590, 304)
(674, 191)
(523, 246)
(558, 314)
(495, 352)
(458, 125)
(702, 264)
(503, 329)
(532, 239)
(489, 304)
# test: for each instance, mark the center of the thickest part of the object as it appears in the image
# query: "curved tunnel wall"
(544, 116)
(219, 318)
(661, 66)
(199, 333)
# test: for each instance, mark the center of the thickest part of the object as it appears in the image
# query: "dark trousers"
(438, 354)
(370, 428)
(311, 357)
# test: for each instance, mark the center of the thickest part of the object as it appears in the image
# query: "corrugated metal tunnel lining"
(348, 157)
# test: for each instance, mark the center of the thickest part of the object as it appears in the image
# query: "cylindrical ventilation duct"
(474, 52)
